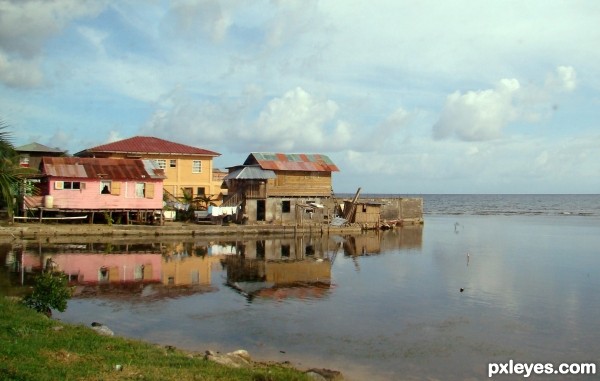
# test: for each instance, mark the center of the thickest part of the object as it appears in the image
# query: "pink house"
(129, 188)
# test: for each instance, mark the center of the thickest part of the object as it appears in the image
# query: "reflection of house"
(364, 244)
(102, 268)
(89, 185)
(284, 188)
(181, 270)
(187, 169)
(255, 277)
(282, 267)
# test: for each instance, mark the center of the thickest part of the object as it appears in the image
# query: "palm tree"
(11, 174)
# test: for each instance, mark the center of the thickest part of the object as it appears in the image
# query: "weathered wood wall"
(300, 184)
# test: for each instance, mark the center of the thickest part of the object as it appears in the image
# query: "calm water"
(386, 306)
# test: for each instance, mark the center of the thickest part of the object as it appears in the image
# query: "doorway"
(260, 210)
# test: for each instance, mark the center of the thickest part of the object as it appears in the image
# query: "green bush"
(51, 291)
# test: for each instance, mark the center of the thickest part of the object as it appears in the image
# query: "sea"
(486, 283)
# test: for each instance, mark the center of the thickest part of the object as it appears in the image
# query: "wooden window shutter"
(116, 188)
(149, 190)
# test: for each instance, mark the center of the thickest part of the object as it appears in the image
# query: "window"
(72, 185)
(162, 163)
(173, 163)
(24, 161)
(105, 187)
(138, 272)
(286, 206)
(260, 249)
(103, 274)
(310, 250)
(195, 276)
(201, 191)
(196, 166)
(140, 190)
(285, 251)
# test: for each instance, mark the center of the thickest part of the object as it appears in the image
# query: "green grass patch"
(35, 347)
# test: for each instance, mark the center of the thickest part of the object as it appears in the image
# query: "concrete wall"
(274, 210)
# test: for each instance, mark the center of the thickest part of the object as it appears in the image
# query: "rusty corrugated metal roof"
(147, 145)
(292, 162)
(95, 168)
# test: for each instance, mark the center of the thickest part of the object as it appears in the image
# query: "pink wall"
(88, 265)
(91, 198)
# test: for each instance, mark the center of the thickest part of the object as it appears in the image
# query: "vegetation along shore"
(36, 347)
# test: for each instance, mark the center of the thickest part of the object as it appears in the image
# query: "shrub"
(51, 291)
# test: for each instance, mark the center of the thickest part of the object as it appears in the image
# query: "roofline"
(90, 152)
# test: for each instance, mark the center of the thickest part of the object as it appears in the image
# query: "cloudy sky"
(408, 97)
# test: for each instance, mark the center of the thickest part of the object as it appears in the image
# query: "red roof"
(147, 145)
(95, 168)
(292, 162)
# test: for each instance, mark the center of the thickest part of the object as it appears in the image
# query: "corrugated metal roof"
(94, 168)
(292, 162)
(147, 145)
(251, 172)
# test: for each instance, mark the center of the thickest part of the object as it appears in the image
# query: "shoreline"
(35, 230)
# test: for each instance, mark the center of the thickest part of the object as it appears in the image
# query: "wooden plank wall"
(298, 184)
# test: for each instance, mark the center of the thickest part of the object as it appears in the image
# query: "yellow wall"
(182, 177)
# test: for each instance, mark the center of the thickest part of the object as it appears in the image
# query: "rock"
(102, 329)
(315, 376)
(324, 374)
(235, 359)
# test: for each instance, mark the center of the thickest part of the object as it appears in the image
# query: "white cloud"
(298, 121)
(563, 79)
(26, 25)
(20, 73)
(477, 115)
(484, 114)
(192, 19)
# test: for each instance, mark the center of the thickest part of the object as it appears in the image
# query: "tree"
(11, 173)
(8, 178)
(51, 291)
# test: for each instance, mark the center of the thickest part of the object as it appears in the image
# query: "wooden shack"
(282, 188)
(365, 213)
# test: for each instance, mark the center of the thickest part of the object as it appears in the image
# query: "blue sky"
(407, 97)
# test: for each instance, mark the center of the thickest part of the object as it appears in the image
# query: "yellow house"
(188, 169)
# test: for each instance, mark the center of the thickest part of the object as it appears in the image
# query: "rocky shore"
(238, 359)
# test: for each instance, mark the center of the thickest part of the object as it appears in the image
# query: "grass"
(35, 347)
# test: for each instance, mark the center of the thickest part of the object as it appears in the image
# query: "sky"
(406, 97)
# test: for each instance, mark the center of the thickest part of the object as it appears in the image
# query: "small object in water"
(281, 351)
(462, 289)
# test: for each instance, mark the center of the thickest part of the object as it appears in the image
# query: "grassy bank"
(34, 347)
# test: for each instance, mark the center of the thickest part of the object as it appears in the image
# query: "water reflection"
(277, 267)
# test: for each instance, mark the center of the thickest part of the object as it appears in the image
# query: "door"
(260, 210)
